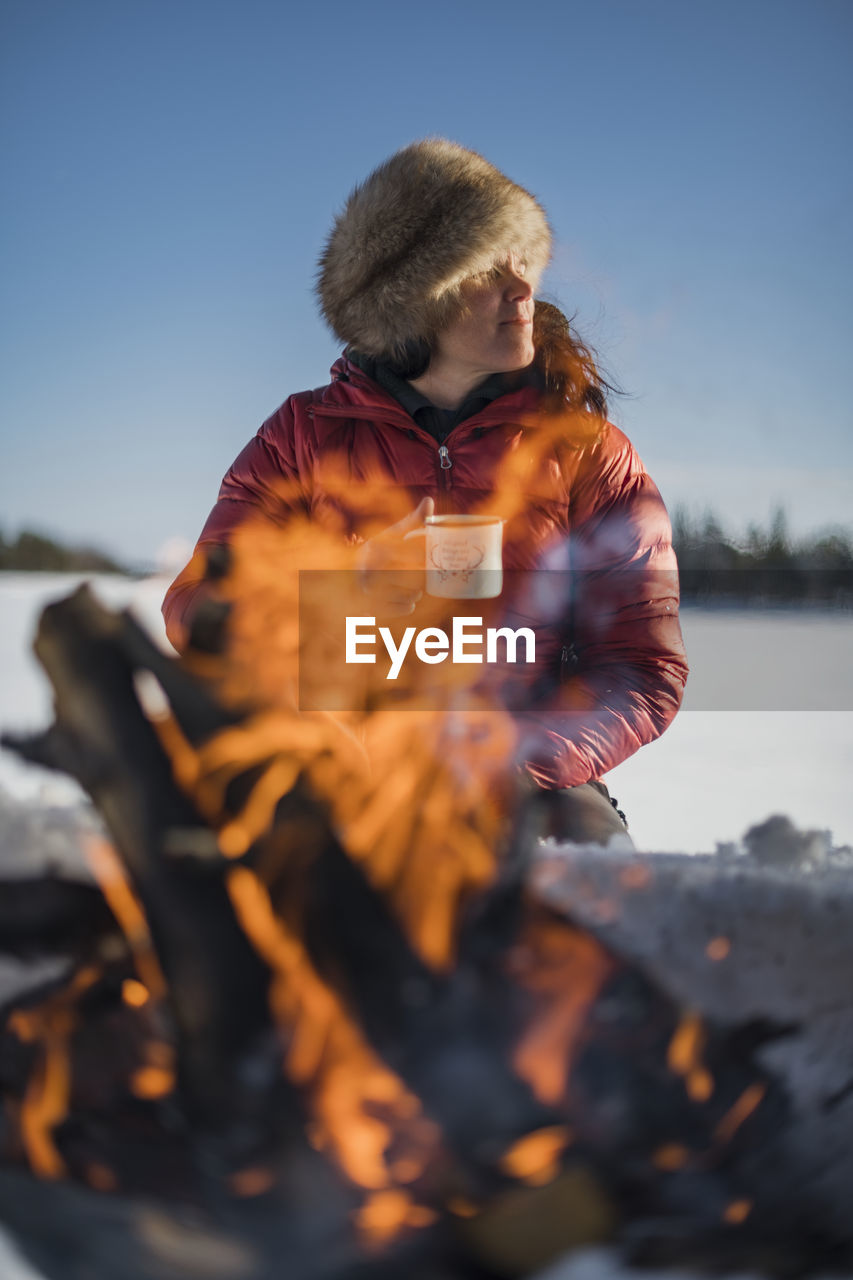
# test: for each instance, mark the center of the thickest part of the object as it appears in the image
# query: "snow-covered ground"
(767, 724)
(766, 727)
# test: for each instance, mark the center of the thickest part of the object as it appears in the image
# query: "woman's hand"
(391, 569)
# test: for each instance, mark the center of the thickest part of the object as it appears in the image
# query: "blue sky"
(172, 167)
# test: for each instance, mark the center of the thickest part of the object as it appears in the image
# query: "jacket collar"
(351, 389)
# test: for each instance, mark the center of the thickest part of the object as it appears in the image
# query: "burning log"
(748, 948)
(270, 1041)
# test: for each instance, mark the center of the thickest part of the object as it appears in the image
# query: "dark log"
(217, 986)
(51, 916)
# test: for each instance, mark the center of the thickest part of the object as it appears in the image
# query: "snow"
(13, 1265)
(766, 727)
(25, 694)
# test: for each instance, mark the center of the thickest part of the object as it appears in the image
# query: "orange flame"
(45, 1103)
(417, 799)
(328, 1052)
(152, 1082)
(564, 971)
(125, 906)
(684, 1058)
(739, 1112)
(535, 1158)
(385, 1213)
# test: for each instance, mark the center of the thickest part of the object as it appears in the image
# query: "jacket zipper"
(568, 662)
(446, 463)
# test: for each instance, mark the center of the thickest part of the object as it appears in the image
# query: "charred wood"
(51, 916)
(216, 983)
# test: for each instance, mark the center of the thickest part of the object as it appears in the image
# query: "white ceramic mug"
(463, 556)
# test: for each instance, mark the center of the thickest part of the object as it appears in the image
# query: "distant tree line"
(765, 566)
(35, 552)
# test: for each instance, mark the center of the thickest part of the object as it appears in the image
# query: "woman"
(456, 392)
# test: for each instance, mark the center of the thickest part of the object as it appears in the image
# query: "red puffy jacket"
(592, 516)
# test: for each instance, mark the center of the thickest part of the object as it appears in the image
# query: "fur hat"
(425, 220)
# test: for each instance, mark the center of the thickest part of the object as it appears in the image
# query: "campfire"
(320, 1013)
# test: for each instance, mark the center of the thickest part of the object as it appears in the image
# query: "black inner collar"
(440, 422)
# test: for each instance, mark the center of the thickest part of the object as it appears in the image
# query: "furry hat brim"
(431, 216)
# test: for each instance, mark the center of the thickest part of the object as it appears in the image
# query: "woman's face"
(494, 333)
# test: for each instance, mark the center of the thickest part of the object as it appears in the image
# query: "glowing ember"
(699, 1084)
(738, 1211)
(134, 993)
(718, 948)
(737, 1114)
(637, 876)
(684, 1058)
(535, 1158)
(670, 1157)
(686, 1045)
(251, 1182)
(152, 1082)
(100, 1177)
(385, 1213)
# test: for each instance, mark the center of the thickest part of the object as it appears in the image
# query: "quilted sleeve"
(625, 666)
(268, 478)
